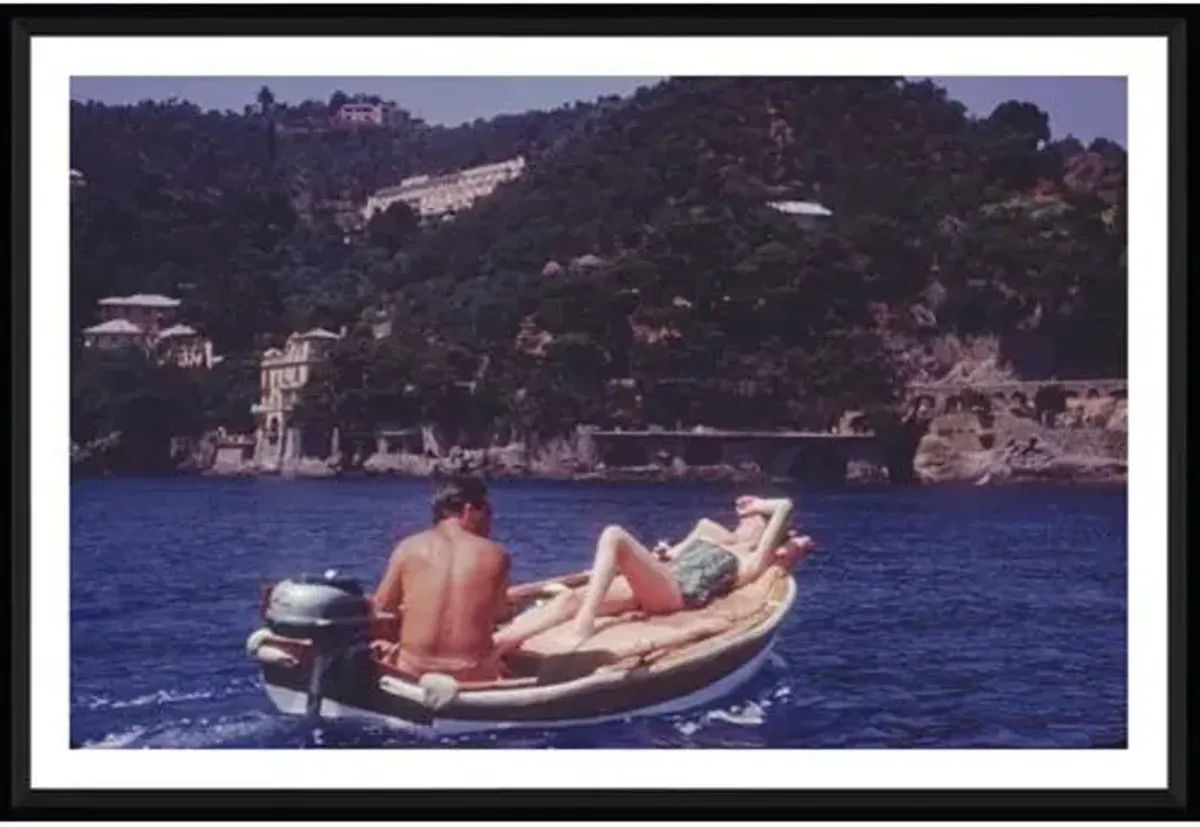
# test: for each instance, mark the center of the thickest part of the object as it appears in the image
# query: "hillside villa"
(442, 196)
(363, 114)
(148, 321)
(283, 372)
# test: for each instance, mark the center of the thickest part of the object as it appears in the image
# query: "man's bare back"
(450, 582)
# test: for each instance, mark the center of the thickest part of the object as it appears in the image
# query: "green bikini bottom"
(704, 571)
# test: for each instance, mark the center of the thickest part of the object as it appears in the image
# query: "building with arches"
(283, 373)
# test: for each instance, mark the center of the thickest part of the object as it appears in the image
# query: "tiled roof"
(115, 326)
(318, 333)
(178, 330)
(141, 300)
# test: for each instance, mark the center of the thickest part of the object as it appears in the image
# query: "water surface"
(928, 617)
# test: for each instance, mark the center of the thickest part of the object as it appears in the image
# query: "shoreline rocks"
(1084, 445)
(1010, 449)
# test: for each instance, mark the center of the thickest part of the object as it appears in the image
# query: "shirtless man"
(712, 560)
(451, 584)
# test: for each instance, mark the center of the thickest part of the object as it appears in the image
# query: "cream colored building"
(442, 196)
(283, 373)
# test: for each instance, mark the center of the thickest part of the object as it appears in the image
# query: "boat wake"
(159, 698)
(245, 732)
(233, 716)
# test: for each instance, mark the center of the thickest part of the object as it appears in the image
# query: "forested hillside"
(638, 246)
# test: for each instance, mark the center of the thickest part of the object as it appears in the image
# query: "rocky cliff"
(1087, 443)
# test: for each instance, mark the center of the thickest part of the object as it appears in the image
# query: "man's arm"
(503, 604)
(390, 592)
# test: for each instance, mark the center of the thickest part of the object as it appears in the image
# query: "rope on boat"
(256, 641)
(437, 690)
(258, 646)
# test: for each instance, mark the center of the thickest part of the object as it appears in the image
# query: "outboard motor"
(331, 611)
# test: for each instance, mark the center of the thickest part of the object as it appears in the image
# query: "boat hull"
(636, 666)
(292, 699)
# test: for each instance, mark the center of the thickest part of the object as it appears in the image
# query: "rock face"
(564, 458)
(501, 461)
(94, 456)
(1084, 444)
(858, 471)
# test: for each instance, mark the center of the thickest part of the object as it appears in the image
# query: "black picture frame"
(1176, 801)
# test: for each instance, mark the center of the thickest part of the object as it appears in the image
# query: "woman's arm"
(705, 529)
(777, 512)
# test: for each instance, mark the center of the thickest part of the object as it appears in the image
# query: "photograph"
(775, 411)
(454, 409)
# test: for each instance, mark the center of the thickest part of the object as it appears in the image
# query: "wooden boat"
(634, 665)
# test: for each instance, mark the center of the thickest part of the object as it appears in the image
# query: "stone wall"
(1088, 443)
(947, 397)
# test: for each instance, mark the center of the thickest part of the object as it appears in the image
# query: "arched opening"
(621, 453)
(821, 462)
(1049, 403)
(702, 451)
(897, 440)
(859, 424)
(314, 441)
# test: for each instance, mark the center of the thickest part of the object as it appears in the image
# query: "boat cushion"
(635, 634)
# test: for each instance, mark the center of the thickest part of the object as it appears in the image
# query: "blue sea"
(927, 617)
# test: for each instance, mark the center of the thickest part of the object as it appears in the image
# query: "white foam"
(749, 715)
(115, 740)
(162, 696)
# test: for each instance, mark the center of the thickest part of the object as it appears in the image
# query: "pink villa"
(148, 311)
(147, 321)
(116, 333)
(363, 114)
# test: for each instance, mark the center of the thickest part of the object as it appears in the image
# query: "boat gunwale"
(284, 696)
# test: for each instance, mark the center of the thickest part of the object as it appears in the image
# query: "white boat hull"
(293, 702)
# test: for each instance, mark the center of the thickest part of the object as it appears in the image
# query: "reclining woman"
(711, 561)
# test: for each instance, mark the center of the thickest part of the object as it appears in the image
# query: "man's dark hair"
(457, 493)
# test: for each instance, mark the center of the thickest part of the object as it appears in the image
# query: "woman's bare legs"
(652, 583)
(559, 609)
